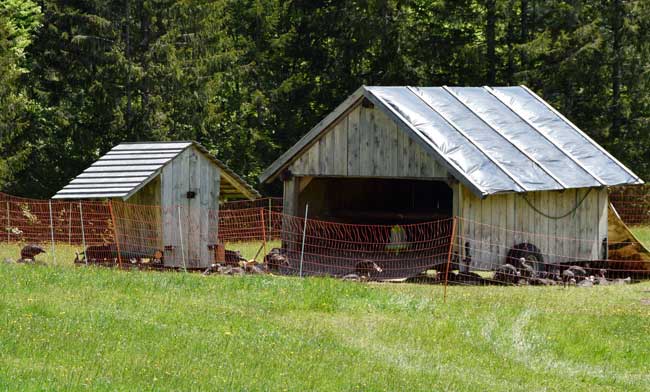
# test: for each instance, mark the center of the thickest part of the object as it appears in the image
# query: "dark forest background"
(247, 78)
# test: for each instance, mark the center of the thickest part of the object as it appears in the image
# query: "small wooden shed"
(171, 188)
(502, 160)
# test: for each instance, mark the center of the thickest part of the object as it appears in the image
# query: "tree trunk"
(491, 41)
(617, 31)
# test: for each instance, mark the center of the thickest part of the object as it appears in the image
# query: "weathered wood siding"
(366, 143)
(494, 224)
(197, 228)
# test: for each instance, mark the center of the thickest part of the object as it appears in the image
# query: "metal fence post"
(115, 232)
(49, 202)
(451, 247)
(304, 233)
(180, 233)
(8, 224)
(263, 230)
(70, 225)
(268, 233)
(83, 234)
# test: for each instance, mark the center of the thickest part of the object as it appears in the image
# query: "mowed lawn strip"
(642, 233)
(73, 328)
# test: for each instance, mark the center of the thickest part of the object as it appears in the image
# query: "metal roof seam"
(482, 191)
(532, 126)
(581, 133)
(533, 159)
(472, 142)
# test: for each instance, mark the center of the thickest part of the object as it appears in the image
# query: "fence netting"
(632, 204)
(451, 250)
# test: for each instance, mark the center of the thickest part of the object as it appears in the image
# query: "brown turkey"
(28, 252)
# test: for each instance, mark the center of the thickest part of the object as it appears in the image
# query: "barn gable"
(365, 142)
(493, 140)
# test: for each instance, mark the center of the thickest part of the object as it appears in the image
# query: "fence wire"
(444, 250)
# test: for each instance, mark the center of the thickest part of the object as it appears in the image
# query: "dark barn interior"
(376, 200)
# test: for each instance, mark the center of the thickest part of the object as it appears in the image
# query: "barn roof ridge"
(492, 139)
(116, 174)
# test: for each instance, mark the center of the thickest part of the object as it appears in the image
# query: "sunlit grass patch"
(249, 249)
(63, 254)
(642, 233)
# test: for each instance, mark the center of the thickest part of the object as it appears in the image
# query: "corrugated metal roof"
(503, 139)
(129, 166)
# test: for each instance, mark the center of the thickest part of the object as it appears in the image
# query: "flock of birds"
(572, 276)
(277, 259)
(235, 264)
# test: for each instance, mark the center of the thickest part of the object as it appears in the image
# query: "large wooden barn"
(507, 164)
(176, 186)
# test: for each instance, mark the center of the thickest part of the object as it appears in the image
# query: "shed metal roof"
(127, 167)
(494, 140)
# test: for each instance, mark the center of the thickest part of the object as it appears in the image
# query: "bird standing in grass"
(29, 252)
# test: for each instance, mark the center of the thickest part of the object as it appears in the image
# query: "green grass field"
(74, 328)
(642, 233)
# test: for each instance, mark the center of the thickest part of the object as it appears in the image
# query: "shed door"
(194, 210)
(190, 197)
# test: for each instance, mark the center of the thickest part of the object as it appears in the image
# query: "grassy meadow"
(643, 234)
(74, 328)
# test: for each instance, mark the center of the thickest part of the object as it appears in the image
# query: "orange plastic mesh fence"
(380, 251)
(271, 203)
(242, 220)
(28, 220)
(482, 252)
(121, 232)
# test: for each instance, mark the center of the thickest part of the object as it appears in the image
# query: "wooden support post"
(52, 232)
(116, 234)
(83, 233)
(451, 247)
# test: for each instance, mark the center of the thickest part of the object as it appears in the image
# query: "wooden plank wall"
(366, 143)
(190, 171)
(494, 224)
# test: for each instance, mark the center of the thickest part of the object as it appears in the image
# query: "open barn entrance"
(376, 201)
(400, 226)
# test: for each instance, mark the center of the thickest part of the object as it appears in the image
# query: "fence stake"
(117, 236)
(269, 231)
(180, 232)
(49, 202)
(8, 224)
(263, 230)
(70, 225)
(304, 233)
(83, 234)
(451, 247)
